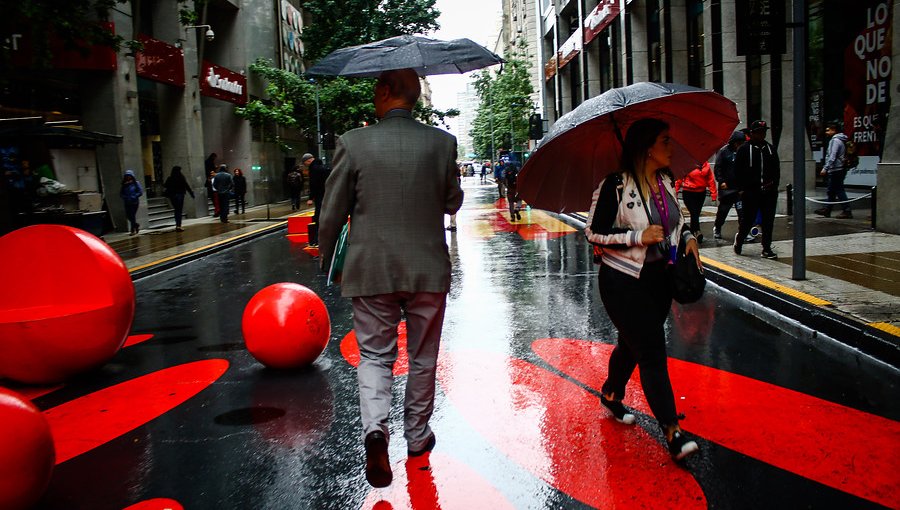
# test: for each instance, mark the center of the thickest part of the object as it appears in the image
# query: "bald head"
(396, 89)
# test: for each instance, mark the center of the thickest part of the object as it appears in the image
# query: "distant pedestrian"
(211, 191)
(131, 192)
(695, 184)
(759, 171)
(510, 178)
(175, 188)
(318, 175)
(223, 183)
(726, 177)
(635, 218)
(498, 178)
(481, 170)
(240, 191)
(835, 171)
(452, 227)
(209, 165)
(295, 187)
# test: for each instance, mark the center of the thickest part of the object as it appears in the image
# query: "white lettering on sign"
(217, 82)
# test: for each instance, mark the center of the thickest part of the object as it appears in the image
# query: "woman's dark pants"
(693, 200)
(726, 202)
(131, 213)
(638, 308)
(240, 204)
(178, 205)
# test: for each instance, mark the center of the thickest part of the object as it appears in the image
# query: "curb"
(176, 260)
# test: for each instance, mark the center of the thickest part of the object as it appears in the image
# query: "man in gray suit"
(396, 180)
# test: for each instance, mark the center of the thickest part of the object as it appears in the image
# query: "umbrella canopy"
(585, 145)
(426, 56)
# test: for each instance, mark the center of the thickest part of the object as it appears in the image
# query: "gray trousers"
(375, 320)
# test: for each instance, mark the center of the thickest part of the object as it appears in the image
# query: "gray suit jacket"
(396, 180)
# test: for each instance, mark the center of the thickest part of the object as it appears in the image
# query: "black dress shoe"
(378, 464)
(427, 448)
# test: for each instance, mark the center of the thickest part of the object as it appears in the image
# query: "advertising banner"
(223, 83)
(867, 80)
(600, 18)
(159, 61)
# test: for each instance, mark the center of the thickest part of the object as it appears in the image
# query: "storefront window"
(654, 47)
(696, 71)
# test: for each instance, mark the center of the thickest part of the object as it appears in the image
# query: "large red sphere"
(286, 325)
(67, 303)
(27, 456)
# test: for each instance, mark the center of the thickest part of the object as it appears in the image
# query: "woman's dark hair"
(176, 170)
(640, 137)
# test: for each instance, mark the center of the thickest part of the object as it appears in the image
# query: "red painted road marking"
(90, 421)
(33, 392)
(556, 430)
(350, 350)
(136, 339)
(156, 504)
(423, 483)
(847, 449)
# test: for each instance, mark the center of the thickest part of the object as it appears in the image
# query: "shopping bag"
(335, 271)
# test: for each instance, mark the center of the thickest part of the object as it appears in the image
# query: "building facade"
(743, 50)
(170, 103)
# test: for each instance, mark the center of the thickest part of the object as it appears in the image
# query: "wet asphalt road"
(516, 427)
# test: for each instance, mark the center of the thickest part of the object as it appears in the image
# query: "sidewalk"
(851, 291)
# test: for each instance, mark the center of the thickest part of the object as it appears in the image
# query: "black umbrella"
(425, 56)
(585, 145)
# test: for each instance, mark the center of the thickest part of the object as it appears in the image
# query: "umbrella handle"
(616, 130)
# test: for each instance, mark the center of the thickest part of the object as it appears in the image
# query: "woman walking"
(695, 185)
(131, 192)
(636, 220)
(176, 187)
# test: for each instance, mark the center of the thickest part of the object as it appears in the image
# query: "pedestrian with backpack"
(295, 186)
(835, 171)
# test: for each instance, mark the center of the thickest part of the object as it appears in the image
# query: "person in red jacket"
(695, 185)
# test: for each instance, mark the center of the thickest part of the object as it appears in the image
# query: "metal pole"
(319, 125)
(799, 44)
(491, 120)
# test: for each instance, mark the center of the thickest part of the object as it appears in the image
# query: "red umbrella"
(585, 145)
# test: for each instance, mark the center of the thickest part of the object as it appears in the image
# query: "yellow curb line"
(195, 250)
(766, 282)
(886, 327)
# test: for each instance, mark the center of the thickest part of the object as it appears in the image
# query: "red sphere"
(27, 456)
(286, 325)
(67, 303)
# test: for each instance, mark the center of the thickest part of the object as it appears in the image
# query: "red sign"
(550, 68)
(223, 83)
(99, 58)
(160, 61)
(571, 48)
(600, 18)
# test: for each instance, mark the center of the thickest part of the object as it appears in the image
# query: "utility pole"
(321, 151)
(491, 120)
(799, 210)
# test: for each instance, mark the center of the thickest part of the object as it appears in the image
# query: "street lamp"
(318, 121)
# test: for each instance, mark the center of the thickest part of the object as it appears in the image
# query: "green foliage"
(344, 103)
(505, 103)
(73, 21)
(340, 23)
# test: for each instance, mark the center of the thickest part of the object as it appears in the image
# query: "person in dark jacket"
(240, 192)
(758, 170)
(726, 177)
(175, 188)
(223, 185)
(510, 179)
(318, 174)
(131, 192)
(835, 171)
(211, 192)
(295, 186)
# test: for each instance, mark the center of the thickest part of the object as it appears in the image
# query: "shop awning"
(59, 136)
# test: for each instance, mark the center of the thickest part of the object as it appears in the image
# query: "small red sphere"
(27, 455)
(286, 325)
(67, 303)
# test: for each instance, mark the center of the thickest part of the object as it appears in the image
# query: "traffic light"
(535, 127)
